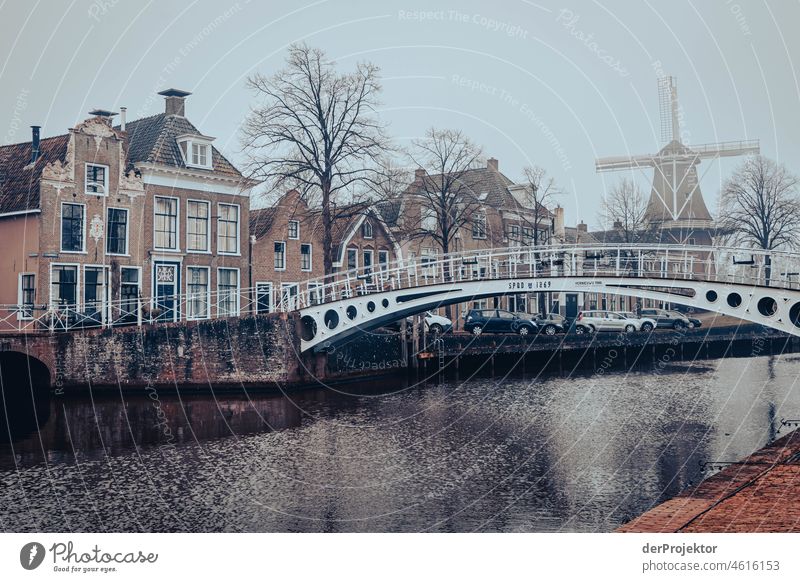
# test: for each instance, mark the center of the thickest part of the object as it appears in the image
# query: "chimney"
(35, 142)
(558, 223)
(103, 114)
(582, 227)
(419, 174)
(123, 114)
(617, 225)
(492, 164)
(175, 101)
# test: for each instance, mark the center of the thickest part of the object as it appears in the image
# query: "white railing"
(668, 262)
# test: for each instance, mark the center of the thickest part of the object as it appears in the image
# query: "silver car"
(602, 320)
(646, 324)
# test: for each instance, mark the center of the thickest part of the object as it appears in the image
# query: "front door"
(571, 307)
(167, 285)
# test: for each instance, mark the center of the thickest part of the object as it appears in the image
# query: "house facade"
(287, 251)
(114, 224)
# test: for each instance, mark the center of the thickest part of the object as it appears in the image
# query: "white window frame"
(139, 283)
(271, 302)
(61, 226)
(237, 309)
(21, 313)
(314, 291)
(429, 219)
(283, 242)
(188, 295)
(186, 146)
(238, 250)
(177, 248)
(310, 257)
(367, 226)
(289, 230)
(479, 217)
(86, 191)
(78, 286)
(207, 203)
(288, 285)
(347, 250)
(383, 266)
(371, 254)
(127, 252)
(105, 287)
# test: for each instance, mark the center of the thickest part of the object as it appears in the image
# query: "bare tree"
(759, 206)
(540, 193)
(315, 129)
(625, 209)
(445, 193)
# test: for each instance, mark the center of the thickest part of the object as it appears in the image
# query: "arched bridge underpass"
(749, 284)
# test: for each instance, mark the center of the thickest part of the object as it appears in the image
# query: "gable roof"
(261, 221)
(19, 179)
(154, 140)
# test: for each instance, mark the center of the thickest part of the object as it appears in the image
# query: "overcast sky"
(552, 84)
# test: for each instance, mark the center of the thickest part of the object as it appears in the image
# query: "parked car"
(694, 322)
(601, 320)
(666, 319)
(432, 323)
(552, 323)
(646, 324)
(480, 321)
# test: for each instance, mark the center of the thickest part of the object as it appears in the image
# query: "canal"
(585, 452)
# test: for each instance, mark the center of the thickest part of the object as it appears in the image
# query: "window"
(228, 229)
(94, 290)
(199, 154)
(129, 292)
(27, 295)
(527, 235)
(198, 290)
(383, 260)
(479, 225)
(289, 292)
(366, 229)
(513, 235)
(294, 229)
(117, 237)
(165, 226)
(314, 293)
(197, 223)
(227, 292)
(72, 224)
(368, 262)
(64, 286)
(280, 255)
(305, 257)
(427, 257)
(352, 259)
(96, 179)
(263, 297)
(429, 219)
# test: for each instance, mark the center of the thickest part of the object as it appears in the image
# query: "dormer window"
(96, 179)
(366, 229)
(196, 151)
(200, 155)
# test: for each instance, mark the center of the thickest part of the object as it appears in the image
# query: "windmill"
(676, 203)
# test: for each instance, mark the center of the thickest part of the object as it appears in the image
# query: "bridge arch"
(24, 394)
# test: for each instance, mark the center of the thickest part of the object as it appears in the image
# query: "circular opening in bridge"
(371, 306)
(331, 319)
(711, 296)
(308, 328)
(385, 303)
(734, 299)
(25, 401)
(351, 312)
(767, 306)
(794, 314)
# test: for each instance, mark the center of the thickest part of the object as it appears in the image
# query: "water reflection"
(584, 453)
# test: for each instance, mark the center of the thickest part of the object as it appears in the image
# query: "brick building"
(286, 247)
(112, 223)
(503, 219)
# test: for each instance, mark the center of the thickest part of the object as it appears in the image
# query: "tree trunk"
(327, 228)
(445, 252)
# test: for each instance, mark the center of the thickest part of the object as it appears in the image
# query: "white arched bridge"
(759, 286)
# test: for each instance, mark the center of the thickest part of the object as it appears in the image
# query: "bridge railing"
(669, 263)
